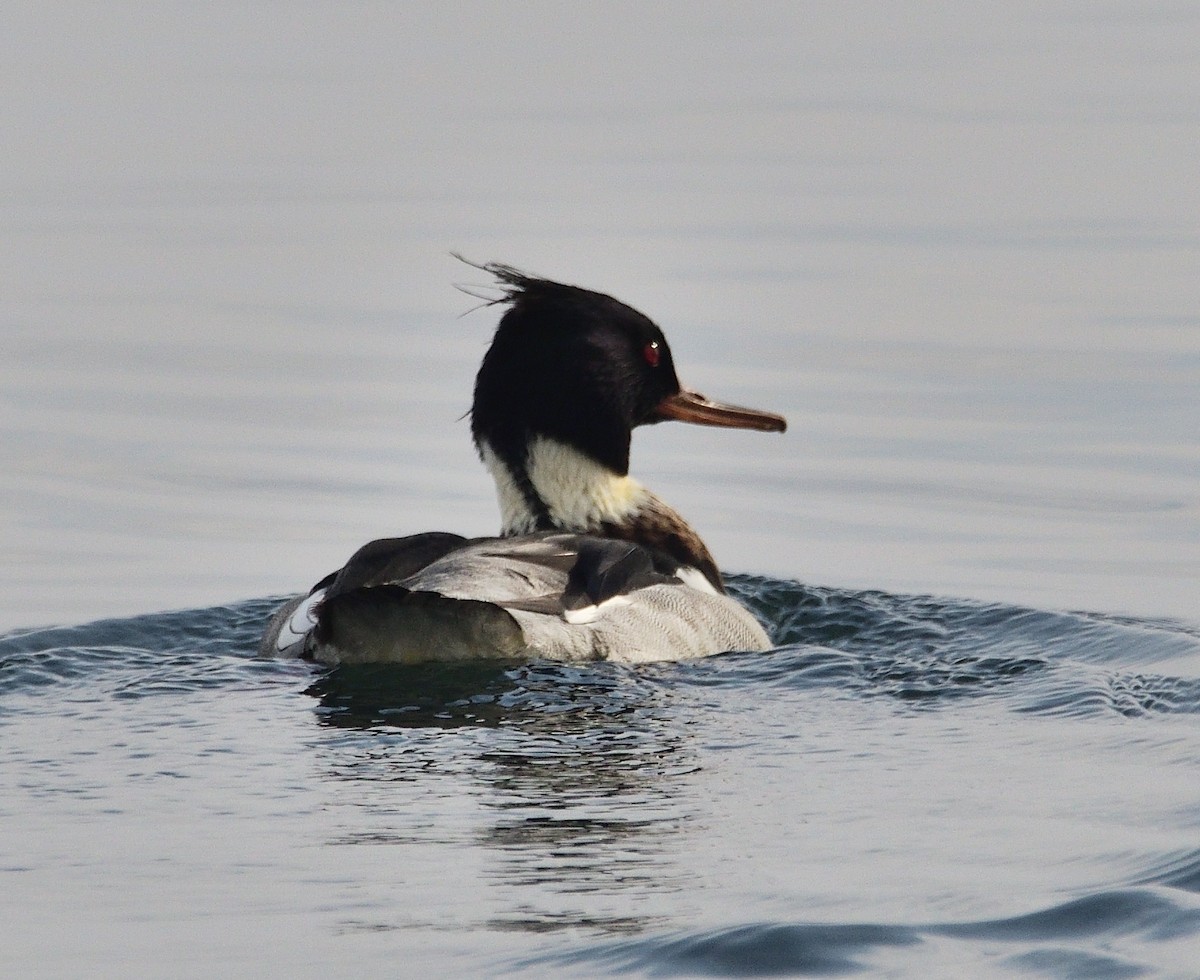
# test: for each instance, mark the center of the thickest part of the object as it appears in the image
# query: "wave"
(928, 649)
(924, 650)
(1048, 941)
(180, 650)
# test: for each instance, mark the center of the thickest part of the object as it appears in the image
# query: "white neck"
(579, 493)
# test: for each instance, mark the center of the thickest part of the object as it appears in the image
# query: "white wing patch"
(687, 575)
(302, 619)
(695, 578)
(589, 614)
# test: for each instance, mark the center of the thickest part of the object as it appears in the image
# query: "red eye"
(650, 353)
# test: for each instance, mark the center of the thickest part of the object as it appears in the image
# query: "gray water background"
(956, 245)
(959, 246)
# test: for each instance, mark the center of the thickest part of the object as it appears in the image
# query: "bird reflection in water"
(575, 773)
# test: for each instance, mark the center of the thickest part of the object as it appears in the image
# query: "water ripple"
(156, 653)
(922, 650)
(587, 796)
(1050, 938)
(929, 649)
(1179, 870)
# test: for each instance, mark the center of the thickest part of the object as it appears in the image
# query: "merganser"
(589, 564)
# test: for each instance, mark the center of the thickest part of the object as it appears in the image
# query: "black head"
(584, 369)
(572, 364)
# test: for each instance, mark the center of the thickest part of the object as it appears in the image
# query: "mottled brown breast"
(657, 526)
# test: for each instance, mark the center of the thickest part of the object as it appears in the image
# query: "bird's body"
(589, 564)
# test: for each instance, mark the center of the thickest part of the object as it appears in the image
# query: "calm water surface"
(957, 247)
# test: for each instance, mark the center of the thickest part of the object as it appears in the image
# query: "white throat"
(579, 494)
